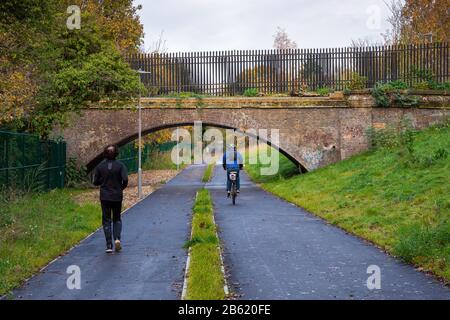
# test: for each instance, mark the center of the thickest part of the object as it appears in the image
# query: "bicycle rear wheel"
(233, 193)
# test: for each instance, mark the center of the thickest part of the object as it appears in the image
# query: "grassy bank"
(158, 161)
(205, 279)
(35, 229)
(397, 195)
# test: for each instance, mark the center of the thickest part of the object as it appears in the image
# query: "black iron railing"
(226, 73)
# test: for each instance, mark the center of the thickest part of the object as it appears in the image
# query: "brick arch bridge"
(314, 132)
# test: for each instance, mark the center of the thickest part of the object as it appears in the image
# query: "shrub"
(397, 85)
(392, 138)
(357, 82)
(442, 86)
(381, 96)
(422, 85)
(324, 91)
(251, 92)
(402, 141)
(76, 174)
(405, 100)
(389, 93)
(383, 138)
(421, 74)
(431, 85)
(423, 79)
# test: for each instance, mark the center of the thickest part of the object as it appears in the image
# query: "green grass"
(37, 228)
(205, 279)
(324, 91)
(286, 169)
(183, 95)
(251, 92)
(208, 173)
(399, 202)
(159, 161)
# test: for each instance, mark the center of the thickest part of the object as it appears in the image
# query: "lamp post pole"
(140, 136)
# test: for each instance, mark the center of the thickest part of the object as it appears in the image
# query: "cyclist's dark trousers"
(238, 180)
(111, 208)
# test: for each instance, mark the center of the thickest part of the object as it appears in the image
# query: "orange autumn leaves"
(37, 53)
(117, 20)
(425, 16)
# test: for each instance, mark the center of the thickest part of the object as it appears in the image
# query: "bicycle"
(233, 191)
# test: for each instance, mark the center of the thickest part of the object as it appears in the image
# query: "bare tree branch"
(282, 41)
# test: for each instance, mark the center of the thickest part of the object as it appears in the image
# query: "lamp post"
(140, 71)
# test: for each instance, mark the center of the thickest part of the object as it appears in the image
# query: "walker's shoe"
(237, 191)
(109, 248)
(117, 245)
(228, 194)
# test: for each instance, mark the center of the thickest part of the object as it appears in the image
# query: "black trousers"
(111, 209)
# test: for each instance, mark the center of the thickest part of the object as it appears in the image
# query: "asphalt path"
(275, 250)
(151, 264)
(272, 250)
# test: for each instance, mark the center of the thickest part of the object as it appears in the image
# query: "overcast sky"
(207, 25)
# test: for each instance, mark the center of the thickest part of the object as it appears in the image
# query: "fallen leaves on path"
(151, 180)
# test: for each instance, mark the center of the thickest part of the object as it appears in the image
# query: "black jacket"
(112, 177)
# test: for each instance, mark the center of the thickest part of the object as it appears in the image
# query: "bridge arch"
(313, 132)
(148, 130)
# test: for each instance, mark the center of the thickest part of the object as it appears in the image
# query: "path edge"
(42, 269)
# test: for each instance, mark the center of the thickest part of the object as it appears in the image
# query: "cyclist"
(232, 161)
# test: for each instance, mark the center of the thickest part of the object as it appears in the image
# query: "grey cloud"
(206, 25)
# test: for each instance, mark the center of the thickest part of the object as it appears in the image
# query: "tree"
(157, 46)
(365, 42)
(21, 36)
(158, 137)
(414, 21)
(47, 70)
(118, 21)
(17, 89)
(256, 77)
(423, 17)
(396, 20)
(282, 41)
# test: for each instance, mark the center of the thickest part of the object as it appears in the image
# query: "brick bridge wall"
(314, 132)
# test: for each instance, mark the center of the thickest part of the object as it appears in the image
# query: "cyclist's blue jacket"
(232, 160)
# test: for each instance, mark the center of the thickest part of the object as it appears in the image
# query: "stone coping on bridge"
(234, 103)
(411, 91)
(434, 99)
(353, 99)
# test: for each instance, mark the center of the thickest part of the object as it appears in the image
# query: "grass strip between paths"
(205, 279)
(208, 173)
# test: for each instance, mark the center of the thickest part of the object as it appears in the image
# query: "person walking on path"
(112, 177)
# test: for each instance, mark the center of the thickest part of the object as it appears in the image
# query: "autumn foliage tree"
(117, 20)
(423, 17)
(17, 86)
(417, 21)
(47, 70)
